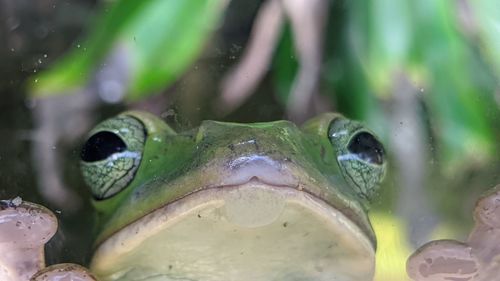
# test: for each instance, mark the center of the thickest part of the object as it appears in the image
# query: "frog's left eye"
(111, 155)
(361, 157)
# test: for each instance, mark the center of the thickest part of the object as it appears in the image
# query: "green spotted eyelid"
(111, 155)
(360, 155)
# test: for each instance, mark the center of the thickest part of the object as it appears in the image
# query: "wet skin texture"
(210, 202)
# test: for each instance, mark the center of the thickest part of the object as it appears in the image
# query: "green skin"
(161, 166)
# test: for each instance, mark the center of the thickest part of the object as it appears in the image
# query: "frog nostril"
(102, 145)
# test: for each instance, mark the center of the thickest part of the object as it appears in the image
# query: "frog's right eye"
(360, 155)
(112, 154)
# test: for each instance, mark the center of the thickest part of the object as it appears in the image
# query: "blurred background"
(424, 75)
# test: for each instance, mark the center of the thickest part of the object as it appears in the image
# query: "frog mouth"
(284, 175)
(248, 231)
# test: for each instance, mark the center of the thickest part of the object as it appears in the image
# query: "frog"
(475, 259)
(223, 201)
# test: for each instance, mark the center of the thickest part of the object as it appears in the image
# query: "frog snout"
(261, 168)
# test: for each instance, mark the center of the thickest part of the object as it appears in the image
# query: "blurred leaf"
(167, 39)
(380, 35)
(346, 80)
(458, 104)
(422, 41)
(392, 247)
(284, 67)
(487, 17)
(161, 37)
(72, 71)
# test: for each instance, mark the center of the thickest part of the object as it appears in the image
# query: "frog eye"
(111, 155)
(360, 155)
(365, 146)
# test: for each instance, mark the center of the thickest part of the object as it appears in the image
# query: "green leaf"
(421, 40)
(459, 105)
(161, 38)
(380, 35)
(167, 39)
(285, 65)
(486, 15)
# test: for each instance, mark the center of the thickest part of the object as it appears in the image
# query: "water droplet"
(17, 201)
(78, 46)
(45, 55)
(168, 113)
(235, 48)
(36, 80)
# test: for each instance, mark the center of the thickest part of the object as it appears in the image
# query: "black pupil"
(101, 145)
(366, 147)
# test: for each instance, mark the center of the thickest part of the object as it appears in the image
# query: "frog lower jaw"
(252, 231)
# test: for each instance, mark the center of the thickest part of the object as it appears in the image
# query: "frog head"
(228, 201)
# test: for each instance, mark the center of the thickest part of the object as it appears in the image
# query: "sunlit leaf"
(160, 37)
